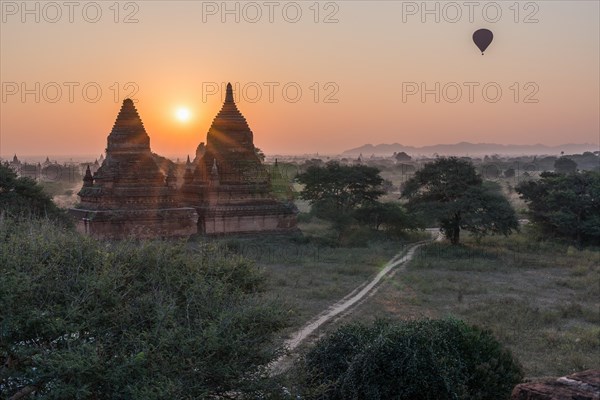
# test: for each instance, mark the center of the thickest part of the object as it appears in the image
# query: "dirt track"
(346, 303)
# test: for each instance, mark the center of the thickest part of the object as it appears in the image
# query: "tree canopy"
(343, 187)
(392, 217)
(564, 165)
(347, 195)
(451, 191)
(86, 319)
(566, 206)
(23, 197)
(402, 156)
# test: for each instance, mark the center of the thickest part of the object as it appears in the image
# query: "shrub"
(23, 198)
(86, 319)
(412, 360)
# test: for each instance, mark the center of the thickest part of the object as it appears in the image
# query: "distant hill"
(473, 149)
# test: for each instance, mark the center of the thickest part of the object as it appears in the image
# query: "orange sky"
(370, 57)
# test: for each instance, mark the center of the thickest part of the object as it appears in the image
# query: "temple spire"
(128, 132)
(188, 175)
(229, 94)
(128, 121)
(88, 179)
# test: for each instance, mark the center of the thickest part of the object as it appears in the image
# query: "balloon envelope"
(483, 38)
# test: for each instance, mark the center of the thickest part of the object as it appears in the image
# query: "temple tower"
(130, 195)
(231, 188)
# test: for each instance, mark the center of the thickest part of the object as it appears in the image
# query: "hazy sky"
(374, 60)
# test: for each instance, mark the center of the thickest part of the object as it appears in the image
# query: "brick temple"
(225, 190)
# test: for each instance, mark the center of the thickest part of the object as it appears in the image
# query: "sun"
(183, 114)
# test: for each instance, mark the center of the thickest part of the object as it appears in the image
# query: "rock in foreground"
(579, 386)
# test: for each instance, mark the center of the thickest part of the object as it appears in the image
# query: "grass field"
(308, 277)
(540, 299)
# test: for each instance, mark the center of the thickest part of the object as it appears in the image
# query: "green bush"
(86, 319)
(412, 360)
(565, 205)
(23, 198)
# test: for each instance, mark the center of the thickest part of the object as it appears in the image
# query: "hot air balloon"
(483, 38)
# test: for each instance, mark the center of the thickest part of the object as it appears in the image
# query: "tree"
(23, 197)
(565, 206)
(138, 320)
(347, 195)
(450, 190)
(392, 217)
(564, 165)
(490, 171)
(402, 156)
(412, 360)
(341, 188)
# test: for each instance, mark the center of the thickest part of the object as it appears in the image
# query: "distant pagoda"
(130, 195)
(225, 190)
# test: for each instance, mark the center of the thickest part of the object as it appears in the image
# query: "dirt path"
(346, 303)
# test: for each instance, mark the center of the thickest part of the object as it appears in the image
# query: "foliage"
(341, 187)
(23, 197)
(402, 156)
(91, 320)
(392, 217)
(565, 165)
(565, 205)
(451, 190)
(413, 360)
(346, 195)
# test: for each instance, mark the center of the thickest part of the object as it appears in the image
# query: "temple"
(225, 190)
(229, 185)
(130, 195)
